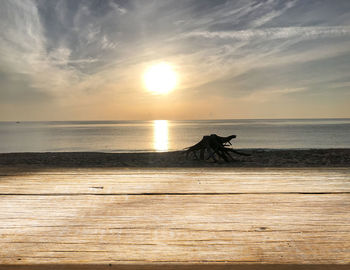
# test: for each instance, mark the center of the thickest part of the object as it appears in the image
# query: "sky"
(85, 60)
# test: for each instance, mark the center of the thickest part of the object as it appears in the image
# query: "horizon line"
(208, 119)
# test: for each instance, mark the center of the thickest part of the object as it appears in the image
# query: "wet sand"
(257, 158)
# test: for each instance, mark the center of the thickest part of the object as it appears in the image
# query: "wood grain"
(124, 181)
(183, 216)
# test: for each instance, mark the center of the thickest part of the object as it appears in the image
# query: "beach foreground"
(257, 158)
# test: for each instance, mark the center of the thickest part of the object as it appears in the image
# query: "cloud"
(80, 50)
(268, 34)
(272, 14)
(117, 7)
(23, 50)
(270, 94)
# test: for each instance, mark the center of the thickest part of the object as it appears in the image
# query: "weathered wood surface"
(223, 180)
(221, 216)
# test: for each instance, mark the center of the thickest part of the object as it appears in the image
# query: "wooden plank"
(245, 228)
(22, 170)
(179, 266)
(184, 216)
(311, 180)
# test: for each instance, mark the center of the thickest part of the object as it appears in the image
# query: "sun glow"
(160, 78)
(160, 135)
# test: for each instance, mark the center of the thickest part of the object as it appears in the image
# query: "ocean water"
(163, 135)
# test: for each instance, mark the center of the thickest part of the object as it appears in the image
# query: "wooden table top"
(205, 218)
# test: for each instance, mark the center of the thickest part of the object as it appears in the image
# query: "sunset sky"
(85, 60)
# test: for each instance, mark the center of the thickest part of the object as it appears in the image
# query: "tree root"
(213, 147)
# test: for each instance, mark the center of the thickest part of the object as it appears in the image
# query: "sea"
(168, 135)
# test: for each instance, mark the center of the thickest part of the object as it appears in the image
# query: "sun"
(160, 78)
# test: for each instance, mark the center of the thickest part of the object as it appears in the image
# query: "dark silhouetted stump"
(213, 147)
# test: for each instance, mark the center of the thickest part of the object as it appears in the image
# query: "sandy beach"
(256, 158)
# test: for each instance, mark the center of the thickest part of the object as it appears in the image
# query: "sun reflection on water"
(160, 135)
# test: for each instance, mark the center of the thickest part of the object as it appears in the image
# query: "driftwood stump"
(213, 147)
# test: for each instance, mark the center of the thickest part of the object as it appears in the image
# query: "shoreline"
(260, 158)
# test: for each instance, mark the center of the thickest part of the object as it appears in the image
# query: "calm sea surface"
(163, 135)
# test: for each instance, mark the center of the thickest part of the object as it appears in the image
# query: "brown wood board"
(175, 217)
